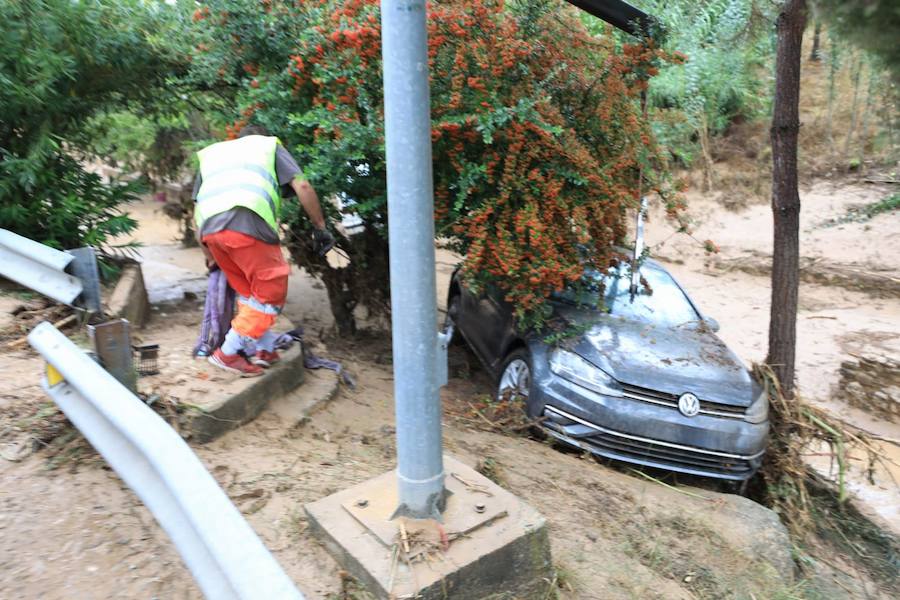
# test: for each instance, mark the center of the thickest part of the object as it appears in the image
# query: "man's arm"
(309, 200)
(210, 261)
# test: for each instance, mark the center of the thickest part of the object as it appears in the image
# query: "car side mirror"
(711, 323)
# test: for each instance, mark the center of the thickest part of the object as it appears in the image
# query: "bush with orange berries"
(537, 132)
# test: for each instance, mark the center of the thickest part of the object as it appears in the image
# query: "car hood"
(674, 360)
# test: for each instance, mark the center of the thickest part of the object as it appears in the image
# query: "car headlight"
(572, 367)
(759, 410)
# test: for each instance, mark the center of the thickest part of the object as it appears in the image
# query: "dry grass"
(797, 428)
(498, 416)
(816, 510)
(33, 310)
(743, 158)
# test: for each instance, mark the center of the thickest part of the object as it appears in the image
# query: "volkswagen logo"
(688, 404)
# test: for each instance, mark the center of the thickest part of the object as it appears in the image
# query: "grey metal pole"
(407, 117)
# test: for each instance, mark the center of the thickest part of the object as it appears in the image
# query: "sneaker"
(265, 359)
(234, 363)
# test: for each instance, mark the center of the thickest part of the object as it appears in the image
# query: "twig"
(852, 545)
(671, 487)
(404, 538)
(474, 487)
(395, 559)
(61, 323)
(531, 423)
(478, 412)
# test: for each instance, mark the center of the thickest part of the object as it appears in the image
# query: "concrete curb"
(205, 425)
(319, 388)
(129, 298)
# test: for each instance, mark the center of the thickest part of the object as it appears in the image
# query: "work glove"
(322, 241)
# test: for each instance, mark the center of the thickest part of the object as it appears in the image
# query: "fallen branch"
(58, 325)
(795, 426)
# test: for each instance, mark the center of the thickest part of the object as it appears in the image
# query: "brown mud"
(70, 529)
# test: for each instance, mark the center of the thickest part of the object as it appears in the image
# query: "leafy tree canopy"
(538, 137)
(62, 61)
(872, 24)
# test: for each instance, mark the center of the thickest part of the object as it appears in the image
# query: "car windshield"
(659, 300)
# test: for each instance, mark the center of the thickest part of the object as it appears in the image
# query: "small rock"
(855, 388)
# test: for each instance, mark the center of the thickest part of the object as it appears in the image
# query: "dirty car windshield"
(660, 301)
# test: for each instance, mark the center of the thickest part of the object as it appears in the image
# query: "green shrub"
(728, 45)
(62, 62)
(63, 205)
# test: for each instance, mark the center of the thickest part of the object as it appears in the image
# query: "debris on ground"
(814, 509)
(500, 416)
(871, 382)
(25, 316)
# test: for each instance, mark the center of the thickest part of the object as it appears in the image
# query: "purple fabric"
(217, 313)
(310, 360)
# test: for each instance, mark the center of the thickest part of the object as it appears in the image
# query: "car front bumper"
(647, 434)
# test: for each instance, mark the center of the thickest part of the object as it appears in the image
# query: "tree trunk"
(785, 196)
(707, 155)
(862, 137)
(815, 55)
(890, 112)
(854, 106)
(833, 53)
(342, 300)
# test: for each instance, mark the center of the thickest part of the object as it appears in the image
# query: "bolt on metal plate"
(381, 501)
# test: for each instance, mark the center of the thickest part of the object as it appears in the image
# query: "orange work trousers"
(257, 272)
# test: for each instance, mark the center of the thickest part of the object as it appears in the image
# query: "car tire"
(450, 319)
(515, 377)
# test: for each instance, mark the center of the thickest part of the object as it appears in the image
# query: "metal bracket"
(112, 343)
(84, 267)
(440, 356)
(67, 277)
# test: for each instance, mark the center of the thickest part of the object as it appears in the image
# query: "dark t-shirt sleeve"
(286, 168)
(198, 180)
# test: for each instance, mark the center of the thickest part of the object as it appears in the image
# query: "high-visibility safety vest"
(236, 173)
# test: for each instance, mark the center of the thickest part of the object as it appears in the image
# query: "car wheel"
(450, 321)
(515, 377)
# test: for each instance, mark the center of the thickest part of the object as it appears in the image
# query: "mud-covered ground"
(70, 529)
(852, 316)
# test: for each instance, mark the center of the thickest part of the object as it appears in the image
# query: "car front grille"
(715, 409)
(654, 453)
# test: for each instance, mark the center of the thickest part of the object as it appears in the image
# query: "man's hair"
(253, 130)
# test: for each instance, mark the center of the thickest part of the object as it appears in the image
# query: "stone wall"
(872, 382)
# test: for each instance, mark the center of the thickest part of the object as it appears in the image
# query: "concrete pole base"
(490, 543)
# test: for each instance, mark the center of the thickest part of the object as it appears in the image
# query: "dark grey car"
(648, 382)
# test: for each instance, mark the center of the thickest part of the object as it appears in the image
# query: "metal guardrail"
(44, 270)
(223, 553)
